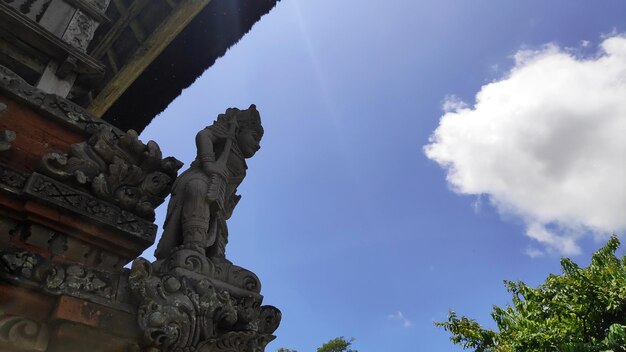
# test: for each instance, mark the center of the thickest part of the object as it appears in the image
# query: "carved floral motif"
(20, 266)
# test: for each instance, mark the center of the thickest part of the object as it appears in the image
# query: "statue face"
(248, 141)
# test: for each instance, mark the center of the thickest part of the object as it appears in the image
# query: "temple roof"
(123, 60)
(220, 25)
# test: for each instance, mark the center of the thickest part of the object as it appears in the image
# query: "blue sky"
(352, 228)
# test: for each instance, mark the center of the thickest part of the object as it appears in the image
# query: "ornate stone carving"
(22, 267)
(15, 85)
(238, 341)
(19, 333)
(192, 298)
(62, 110)
(117, 168)
(184, 313)
(11, 179)
(80, 30)
(73, 115)
(63, 196)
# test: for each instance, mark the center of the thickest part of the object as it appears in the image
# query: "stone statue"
(192, 298)
(204, 196)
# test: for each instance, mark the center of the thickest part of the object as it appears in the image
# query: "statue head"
(249, 131)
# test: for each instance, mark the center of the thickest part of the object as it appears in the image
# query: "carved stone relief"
(11, 180)
(117, 168)
(23, 334)
(62, 110)
(65, 197)
(179, 313)
(22, 267)
(80, 30)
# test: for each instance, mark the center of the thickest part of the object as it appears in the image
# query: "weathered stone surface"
(68, 233)
(26, 268)
(52, 106)
(80, 30)
(24, 334)
(112, 165)
(181, 312)
(192, 298)
(117, 168)
(65, 197)
(205, 195)
(11, 180)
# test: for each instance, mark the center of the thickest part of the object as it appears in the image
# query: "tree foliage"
(339, 344)
(582, 310)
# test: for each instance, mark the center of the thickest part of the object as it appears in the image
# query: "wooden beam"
(146, 53)
(12, 49)
(91, 10)
(112, 60)
(139, 33)
(119, 26)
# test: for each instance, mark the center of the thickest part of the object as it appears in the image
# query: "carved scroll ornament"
(117, 168)
(179, 313)
(23, 334)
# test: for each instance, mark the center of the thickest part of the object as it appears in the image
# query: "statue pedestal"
(188, 300)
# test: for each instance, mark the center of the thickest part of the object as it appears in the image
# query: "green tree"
(581, 310)
(339, 344)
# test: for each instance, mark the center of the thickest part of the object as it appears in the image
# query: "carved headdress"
(246, 119)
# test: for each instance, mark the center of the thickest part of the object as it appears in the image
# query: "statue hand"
(211, 168)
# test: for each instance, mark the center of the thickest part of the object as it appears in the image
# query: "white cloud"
(453, 103)
(534, 252)
(399, 316)
(546, 143)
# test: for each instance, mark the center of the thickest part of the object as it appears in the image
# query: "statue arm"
(205, 141)
(206, 153)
